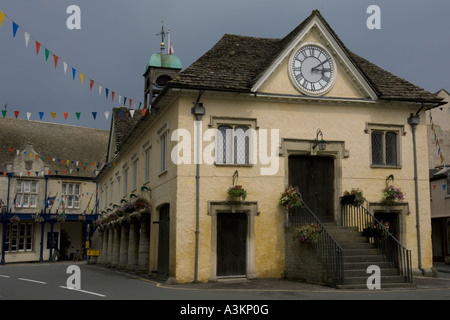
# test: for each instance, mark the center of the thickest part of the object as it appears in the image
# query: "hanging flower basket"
(308, 232)
(237, 192)
(391, 195)
(354, 196)
(38, 218)
(14, 218)
(291, 198)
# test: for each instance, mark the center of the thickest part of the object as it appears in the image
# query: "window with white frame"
(232, 145)
(125, 181)
(118, 190)
(71, 195)
(111, 192)
(19, 237)
(147, 164)
(27, 193)
(163, 151)
(134, 177)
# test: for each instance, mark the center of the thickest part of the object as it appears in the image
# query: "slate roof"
(236, 62)
(122, 125)
(53, 140)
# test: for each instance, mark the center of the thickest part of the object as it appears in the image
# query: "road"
(52, 281)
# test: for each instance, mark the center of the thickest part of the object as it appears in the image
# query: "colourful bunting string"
(48, 52)
(78, 114)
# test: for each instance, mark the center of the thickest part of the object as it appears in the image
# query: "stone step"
(383, 280)
(360, 265)
(350, 273)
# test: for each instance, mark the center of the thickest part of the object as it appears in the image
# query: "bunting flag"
(48, 52)
(2, 18)
(78, 114)
(70, 167)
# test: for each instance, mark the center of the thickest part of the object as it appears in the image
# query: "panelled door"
(231, 244)
(163, 241)
(314, 177)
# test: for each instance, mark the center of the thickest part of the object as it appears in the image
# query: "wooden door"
(231, 244)
(163, 241)
(314, 177)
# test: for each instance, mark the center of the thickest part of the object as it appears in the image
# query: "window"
(118, 189)
(448, 183)
(111, 190)
(147, 164)
(125, 181)
(134, 177)
(26, 196)
(71, 195)
(163, 152)
(19, 237)
(384, 148)
(232, 145)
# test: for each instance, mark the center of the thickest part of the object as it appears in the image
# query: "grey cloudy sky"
(117, 39)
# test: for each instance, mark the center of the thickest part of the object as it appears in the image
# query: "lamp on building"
(322, 143)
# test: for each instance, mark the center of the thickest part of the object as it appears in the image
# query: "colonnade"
(125, 243)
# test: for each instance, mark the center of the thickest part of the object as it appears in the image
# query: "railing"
(355, 215)
(329, 251)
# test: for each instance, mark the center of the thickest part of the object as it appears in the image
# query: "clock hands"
(321, 65)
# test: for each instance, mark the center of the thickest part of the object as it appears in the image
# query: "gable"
(345, 81)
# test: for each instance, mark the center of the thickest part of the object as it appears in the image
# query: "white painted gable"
(348, 83)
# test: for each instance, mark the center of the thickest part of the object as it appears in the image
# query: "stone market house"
(45, 163)
(267, 113)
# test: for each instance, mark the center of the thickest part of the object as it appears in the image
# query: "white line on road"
(3, 276)
(84, 291)
(35, 281)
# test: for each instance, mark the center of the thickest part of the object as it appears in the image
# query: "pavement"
(441, 279)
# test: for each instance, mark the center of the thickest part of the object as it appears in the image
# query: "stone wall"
(301, 260)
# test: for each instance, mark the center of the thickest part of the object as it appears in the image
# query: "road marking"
(84, 291)
(3, 276)
(35, 281)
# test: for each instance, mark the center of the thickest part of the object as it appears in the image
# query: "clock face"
(312, 69)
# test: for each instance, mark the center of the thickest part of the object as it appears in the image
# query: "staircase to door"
(346, 254)
(358, 255)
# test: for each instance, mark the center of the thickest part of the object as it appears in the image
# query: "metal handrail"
(328, 249)
(356, 215)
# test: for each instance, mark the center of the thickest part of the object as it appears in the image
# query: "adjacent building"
(48, 192)
(438, 122)
(260, 114)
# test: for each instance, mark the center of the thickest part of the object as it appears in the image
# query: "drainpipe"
(198, 111)
(414, 121)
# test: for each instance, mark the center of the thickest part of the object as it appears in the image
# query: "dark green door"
(231, 244)
(314, 177)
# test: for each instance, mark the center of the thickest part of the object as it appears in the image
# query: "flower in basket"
(237, 191)
(308, 232)
(291, 198)
(38, 218)
(392, 194)
(356, 193)
(14, 218)
(141, 203)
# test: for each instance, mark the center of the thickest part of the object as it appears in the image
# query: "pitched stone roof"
(51, 140)
(122, 124)
(236, 62)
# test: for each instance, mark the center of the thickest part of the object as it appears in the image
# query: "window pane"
(377, 147)
(77, 189)
(33, 187)
(240, 146)
(224, 145)
(391, 148)
(70, 189)
(26, 186)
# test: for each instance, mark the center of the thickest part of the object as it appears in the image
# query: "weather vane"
(163, 35)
